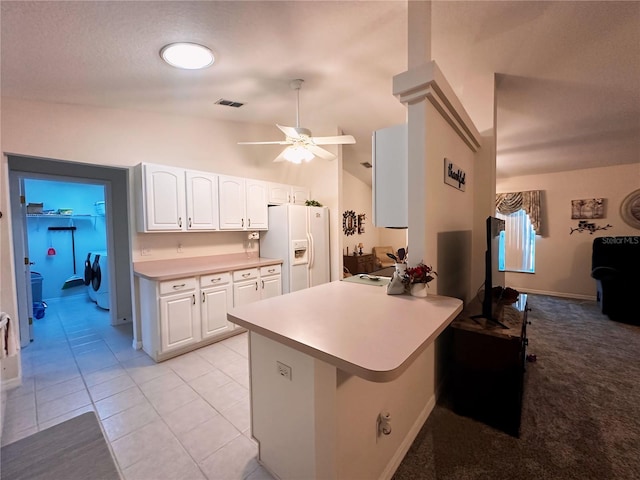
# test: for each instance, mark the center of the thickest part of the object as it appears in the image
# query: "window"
(517, 243)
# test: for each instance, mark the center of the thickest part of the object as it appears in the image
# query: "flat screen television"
(493, 276)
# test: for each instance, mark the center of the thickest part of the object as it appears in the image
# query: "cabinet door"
(279, 194)
(213, 311)
(271, 287)
(164, 206)
(257, 208)
(232, 201)
(179, 321)
(246, 292)
(202, 201)
(390, 176)
(299, 195)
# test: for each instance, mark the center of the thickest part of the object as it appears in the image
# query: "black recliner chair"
(615, 264)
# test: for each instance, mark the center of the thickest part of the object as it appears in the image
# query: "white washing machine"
(100, 279)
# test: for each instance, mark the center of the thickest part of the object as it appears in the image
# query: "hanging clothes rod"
(63, 228)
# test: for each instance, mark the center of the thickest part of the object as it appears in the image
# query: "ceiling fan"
(302, 146)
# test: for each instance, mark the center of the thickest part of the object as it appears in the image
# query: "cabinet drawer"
(178, 285)
(270, 270)
(215, 279)
(246, 274)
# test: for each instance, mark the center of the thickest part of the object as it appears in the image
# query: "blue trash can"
(36, 291)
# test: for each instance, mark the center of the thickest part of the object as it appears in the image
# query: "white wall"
(563, 260)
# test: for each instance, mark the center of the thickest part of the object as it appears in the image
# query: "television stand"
(487, 375)
(476, 318)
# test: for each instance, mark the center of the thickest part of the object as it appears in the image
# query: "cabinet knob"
(256, 285)
(189, 222)
(214, 280)
(202, 297)
(243, 223)
(245, 275)
(176, 287)
(263, 284)
(249, 223)
(194, 298)
(180, 222)
(528, 322)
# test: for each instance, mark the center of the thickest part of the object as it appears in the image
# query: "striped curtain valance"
(508, 203)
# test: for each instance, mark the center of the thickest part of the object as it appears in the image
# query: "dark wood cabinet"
(359, 263)
(487, 376)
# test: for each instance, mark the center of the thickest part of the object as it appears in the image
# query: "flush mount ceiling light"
(190, 56)
(297, 154)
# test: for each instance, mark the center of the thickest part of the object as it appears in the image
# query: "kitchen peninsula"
(342, 377)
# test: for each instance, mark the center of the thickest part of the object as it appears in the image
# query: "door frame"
(116, 183)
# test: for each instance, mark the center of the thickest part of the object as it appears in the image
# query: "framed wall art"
(587, 208)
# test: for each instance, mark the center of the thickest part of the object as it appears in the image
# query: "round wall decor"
(630, 209)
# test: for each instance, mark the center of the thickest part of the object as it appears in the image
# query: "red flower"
(421, 273)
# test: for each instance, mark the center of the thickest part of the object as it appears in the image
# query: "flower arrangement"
(421, 273)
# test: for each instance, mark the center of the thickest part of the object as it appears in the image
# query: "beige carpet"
(72, 450)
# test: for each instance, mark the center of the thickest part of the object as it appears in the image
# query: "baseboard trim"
(404, 447)
(576, 296)
(11, 383)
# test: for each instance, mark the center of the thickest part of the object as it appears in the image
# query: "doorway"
(114, 184)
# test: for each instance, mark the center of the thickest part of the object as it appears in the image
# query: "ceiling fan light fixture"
(297, 154)
(187, 55)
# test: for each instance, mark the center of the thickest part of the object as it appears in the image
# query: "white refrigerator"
(298, 235)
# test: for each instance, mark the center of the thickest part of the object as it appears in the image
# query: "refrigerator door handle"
(310, 253)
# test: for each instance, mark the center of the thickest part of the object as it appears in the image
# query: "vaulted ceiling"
(568, 73)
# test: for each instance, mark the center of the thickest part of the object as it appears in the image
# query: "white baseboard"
(402, 450)
(11, 383)
(577, 296)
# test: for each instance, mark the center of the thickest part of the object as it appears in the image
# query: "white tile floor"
(185, 418)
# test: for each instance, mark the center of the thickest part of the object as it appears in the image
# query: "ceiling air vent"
(229, 103)
(366, 164)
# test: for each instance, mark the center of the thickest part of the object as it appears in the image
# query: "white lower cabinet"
(245, 286)
(187, 313)
(216, 297)
(270, 281)
(179, 323)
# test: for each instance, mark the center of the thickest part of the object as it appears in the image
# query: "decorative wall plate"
(630, 209)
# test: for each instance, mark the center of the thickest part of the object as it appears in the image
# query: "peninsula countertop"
(357, 328)
(158, 270)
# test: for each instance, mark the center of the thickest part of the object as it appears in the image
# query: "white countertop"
(159, 270)
(357, 328)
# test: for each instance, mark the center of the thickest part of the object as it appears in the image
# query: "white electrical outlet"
(180, 248)
(284, 370)
(145, 251)
(254, 236)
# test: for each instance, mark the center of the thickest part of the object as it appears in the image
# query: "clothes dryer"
(100, 279)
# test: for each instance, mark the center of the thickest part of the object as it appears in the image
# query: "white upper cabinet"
(162, 198)
(390, 177)
(173, 199)
(281, 194)
(299, 195)
(257, 208)
(243, 203)
(202, 200)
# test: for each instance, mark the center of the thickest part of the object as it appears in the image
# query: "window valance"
(508, 203)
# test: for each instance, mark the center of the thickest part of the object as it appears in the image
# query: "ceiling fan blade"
(289, 131)
(337, 140)
(320, 152)
(277, 142)
(280, 157)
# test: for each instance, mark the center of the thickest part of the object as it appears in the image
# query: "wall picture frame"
(587, 208)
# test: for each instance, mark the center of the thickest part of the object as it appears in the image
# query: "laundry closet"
(67, 240)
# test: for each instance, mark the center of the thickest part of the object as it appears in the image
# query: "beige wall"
(356, 196)
(563, 260)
